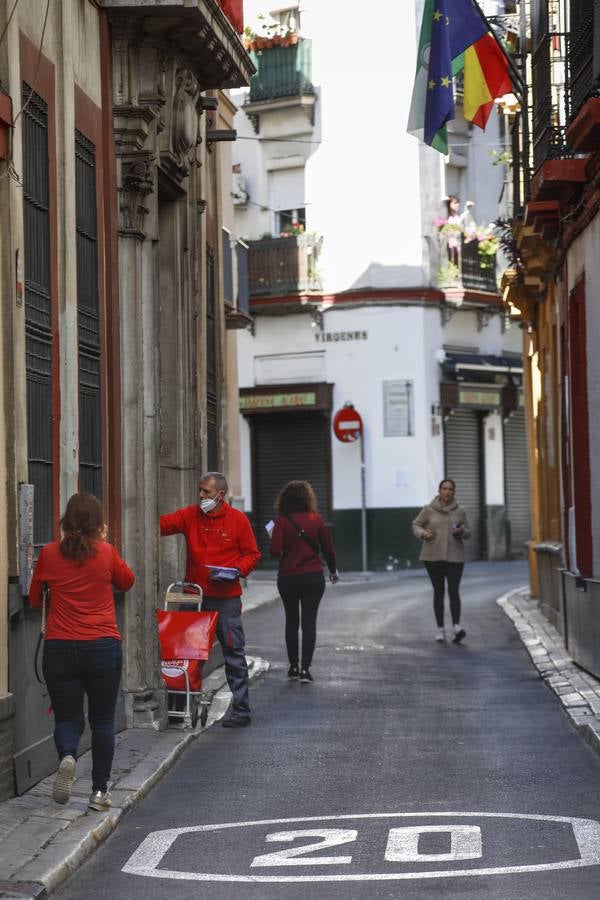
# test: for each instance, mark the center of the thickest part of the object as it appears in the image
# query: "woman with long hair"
(442, 526)
(298, 539)
(82, 647)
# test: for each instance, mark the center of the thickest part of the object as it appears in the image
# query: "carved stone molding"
(184, 128)
(136, 183)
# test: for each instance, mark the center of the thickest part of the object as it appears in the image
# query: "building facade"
(113, 327)
(423, 351)
(552, 283)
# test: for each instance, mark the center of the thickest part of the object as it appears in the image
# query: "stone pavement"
(578, 692)
(42, 843)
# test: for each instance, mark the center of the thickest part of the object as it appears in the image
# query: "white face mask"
(208, 504)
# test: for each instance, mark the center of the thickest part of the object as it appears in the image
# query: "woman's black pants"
(301, 592)
(440, 572)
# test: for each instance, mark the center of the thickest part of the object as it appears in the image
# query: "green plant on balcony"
(449, 275)
(270, 34)
(292, 229)
(487, 249)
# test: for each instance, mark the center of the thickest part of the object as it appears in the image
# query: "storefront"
(290, 439)
(485, 451)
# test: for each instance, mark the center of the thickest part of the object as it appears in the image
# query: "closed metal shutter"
(289, 446)
(462, 447)
(516, 477)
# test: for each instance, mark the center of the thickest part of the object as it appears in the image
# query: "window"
(227, 267)
(88, 319)
(291, 218)
(38, 313)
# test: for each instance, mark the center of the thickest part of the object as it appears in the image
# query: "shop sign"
(481, 398)
(327, 337)
(278, 401)
(398, 411)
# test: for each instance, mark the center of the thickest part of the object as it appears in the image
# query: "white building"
(435, 372)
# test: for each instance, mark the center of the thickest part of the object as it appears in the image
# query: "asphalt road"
(408, 769)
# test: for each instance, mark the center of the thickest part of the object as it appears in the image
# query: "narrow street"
(413, 764)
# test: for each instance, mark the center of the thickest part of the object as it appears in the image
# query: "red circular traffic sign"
(347, 424)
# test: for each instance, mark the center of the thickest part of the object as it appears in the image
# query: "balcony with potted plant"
(283, 268)
(283, 79)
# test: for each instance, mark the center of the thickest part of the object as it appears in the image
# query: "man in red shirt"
(217, 535)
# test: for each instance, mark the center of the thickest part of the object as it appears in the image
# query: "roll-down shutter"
(516, 474)
(462, 446)
(289, 446)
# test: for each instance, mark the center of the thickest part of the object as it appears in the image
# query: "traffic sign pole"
(348, 427)
(363, 512)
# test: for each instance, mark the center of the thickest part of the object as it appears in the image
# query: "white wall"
(493, 448)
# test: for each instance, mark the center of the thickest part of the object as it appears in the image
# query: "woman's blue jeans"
(72, 670)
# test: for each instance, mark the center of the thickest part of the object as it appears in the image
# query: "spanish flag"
(455, 36)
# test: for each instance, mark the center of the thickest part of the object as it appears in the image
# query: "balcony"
(282, 266)
(282, 71)
(584, 78)
(464, 269)
(550, 100)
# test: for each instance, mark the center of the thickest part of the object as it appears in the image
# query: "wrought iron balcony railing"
(284, 265)
(583, 68)
(282, 71)
(477, 274)
(550, 99)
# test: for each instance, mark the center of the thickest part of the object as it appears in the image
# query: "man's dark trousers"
(230, 633)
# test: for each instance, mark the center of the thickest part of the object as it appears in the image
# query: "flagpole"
(511, 65)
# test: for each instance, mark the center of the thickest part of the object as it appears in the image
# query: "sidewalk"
(42, 843)
(578, 692)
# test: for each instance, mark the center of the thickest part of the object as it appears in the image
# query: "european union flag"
(449, 27)
(439, 105)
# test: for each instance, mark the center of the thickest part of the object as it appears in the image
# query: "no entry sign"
(347, 424)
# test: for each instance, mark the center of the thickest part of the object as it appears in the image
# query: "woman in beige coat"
(443, 526)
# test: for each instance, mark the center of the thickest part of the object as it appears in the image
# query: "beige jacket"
(440, 520)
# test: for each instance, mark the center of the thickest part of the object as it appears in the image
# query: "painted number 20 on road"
(402, 845)
(412, 846)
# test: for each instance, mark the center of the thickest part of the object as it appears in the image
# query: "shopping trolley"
(186, 638)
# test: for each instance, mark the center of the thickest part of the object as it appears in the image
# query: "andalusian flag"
(455, 36)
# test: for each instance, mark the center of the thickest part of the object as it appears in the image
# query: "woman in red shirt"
(297, 539)
(82, 647)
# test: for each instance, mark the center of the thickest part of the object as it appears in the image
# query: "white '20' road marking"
(465, 842)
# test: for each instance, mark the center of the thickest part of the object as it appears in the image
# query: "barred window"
(38, 312)
(88, 319)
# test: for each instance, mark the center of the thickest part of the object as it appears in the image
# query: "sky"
(362, 183)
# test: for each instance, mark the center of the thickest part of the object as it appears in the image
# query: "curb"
(577, 690)
(61, 856)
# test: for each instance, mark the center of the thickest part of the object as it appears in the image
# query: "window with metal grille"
(227, 267)
(38, 312)
(88, 319)
(212, 418)
(243, 283)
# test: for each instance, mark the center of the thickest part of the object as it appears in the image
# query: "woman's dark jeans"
(73, 669)
(305, 592)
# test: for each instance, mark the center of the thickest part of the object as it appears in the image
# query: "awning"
(482, 368)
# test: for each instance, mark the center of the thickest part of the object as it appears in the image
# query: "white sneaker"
(441, 635)
(100, 801)
(63, 780)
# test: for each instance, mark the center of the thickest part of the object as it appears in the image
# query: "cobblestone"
(577, 690)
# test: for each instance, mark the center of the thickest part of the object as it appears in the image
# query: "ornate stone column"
(135, 125)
